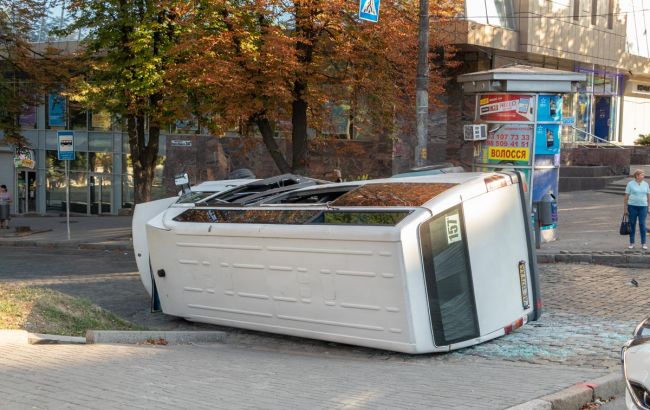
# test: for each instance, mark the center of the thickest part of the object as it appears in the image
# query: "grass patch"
(40, 310)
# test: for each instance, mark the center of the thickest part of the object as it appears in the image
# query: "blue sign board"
(369, 10)
(549, 108)
(65, 145)
(547, 139)
(55, 110)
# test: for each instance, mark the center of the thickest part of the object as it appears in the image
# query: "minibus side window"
(448, 278)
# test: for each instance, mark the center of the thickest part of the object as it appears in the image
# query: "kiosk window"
(448, 278)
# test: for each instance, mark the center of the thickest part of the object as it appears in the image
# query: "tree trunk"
(299, 129)
(271, 145)
(143, 156)
(305, 17)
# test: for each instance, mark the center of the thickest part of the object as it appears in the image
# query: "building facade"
(605, 39)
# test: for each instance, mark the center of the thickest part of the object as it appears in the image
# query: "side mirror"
(183, 181)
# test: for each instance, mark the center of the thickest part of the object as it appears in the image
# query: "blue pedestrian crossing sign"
(369, 10)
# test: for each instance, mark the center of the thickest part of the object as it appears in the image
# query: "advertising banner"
(507, 107)
(546, 176)
(549, 108)
(24, 158)
(56, 110)
(507, 144)
(547, 139)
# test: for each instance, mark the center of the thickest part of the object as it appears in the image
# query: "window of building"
(594, 12)
(78, 117)
(100, 142)
(636, 39)
(492, 12)
(100, 162)
(576, 10)
(610, 14)
(28, 118)
(100, 121)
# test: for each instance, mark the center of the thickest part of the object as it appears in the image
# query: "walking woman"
(5, 200)
(637, 195)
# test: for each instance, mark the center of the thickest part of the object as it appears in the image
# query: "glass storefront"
(596, 103)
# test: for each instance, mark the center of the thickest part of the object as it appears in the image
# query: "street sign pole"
(67, 196)
(66, 153)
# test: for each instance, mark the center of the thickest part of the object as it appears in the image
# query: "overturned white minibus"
(413, 264)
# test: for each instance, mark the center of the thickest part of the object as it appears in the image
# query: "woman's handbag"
(625, 226)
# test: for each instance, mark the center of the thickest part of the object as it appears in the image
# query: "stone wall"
(618, 159)
(640, 155)
(207, 158)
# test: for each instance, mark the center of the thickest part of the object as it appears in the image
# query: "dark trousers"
(640, 213)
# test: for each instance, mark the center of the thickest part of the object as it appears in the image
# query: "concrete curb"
(153, 337)
(576, 396)
(109, 245)
(114, 337)
(628, 259)
(45, 339)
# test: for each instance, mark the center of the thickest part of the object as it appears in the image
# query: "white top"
(637, 193)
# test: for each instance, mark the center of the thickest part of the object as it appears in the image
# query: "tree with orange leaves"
(266, 61)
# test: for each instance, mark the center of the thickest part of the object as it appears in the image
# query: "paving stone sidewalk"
(229, 377)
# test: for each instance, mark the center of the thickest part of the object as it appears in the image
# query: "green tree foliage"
(643, 140)
(125, 58)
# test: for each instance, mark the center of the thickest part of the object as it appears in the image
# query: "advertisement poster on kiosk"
(547, 139)
(507, 107)
(507, 145)
(549, 108)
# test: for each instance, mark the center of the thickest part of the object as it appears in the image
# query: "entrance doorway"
(26, 191)
(100, 193)
(602, 118)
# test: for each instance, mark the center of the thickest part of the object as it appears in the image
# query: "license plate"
(523, 283)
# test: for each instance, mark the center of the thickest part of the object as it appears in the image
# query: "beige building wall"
(635, 111)
(552, 33)
(552, 28)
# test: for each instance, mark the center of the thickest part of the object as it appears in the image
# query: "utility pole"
(422, 86)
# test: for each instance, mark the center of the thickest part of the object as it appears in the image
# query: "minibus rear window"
(448, 278)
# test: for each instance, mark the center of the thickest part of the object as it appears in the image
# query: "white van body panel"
(142, 214)
(359, 284)
(152, 212)
(317, 283)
